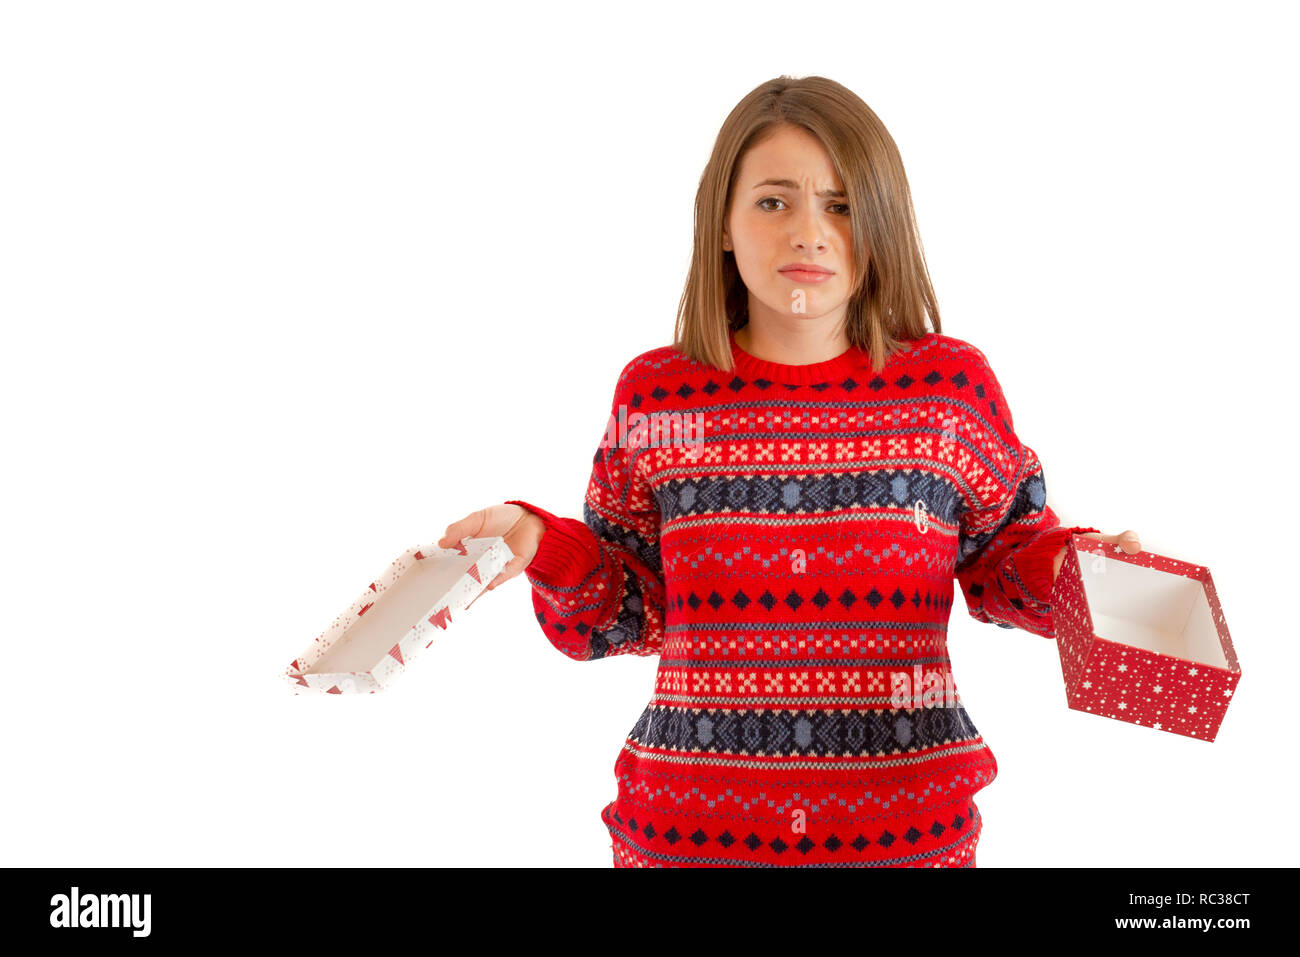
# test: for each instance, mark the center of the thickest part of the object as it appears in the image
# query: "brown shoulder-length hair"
(891, 297)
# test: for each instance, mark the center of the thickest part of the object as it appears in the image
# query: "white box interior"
(1159, 611)
(413, 596)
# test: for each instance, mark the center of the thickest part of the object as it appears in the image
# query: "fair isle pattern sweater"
(792, 564)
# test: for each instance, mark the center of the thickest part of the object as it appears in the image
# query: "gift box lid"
(394, 618)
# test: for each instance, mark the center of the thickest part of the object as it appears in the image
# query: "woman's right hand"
(521, 529)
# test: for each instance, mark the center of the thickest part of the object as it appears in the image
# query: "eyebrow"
(791, 184)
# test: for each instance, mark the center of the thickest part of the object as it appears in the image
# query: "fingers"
(467, 527)
(1127, 540)
(511, 569)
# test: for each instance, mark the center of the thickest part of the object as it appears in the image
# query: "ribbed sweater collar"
(751, 367)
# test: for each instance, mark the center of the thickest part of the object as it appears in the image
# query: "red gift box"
(1142, 638)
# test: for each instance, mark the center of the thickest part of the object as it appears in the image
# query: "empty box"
(1142, 638)
(374, 641)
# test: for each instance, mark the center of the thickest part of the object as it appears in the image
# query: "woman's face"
(788, 208)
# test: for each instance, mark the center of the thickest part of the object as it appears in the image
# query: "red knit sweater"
(787, 546)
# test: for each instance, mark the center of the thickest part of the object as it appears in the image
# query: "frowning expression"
(789, 228)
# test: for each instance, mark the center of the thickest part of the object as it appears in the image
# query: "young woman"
(779, 509)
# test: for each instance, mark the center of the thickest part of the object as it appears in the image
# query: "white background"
(289, 287)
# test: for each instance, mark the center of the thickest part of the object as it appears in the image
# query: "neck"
(793, 343)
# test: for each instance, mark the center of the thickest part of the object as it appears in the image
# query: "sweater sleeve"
(1008, 535)
(598, 586)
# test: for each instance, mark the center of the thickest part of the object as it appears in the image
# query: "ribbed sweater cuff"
(1034, 561)
(567, 553)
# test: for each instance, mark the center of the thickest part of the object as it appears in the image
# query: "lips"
(806, 275)
(805, 267)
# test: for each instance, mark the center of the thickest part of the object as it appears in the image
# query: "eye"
(843, 208)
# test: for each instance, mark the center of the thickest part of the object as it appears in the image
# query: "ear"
(726, 239)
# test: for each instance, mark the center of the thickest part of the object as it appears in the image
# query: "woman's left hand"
(1126, 540)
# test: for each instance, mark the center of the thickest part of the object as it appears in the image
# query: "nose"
(807, 232)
